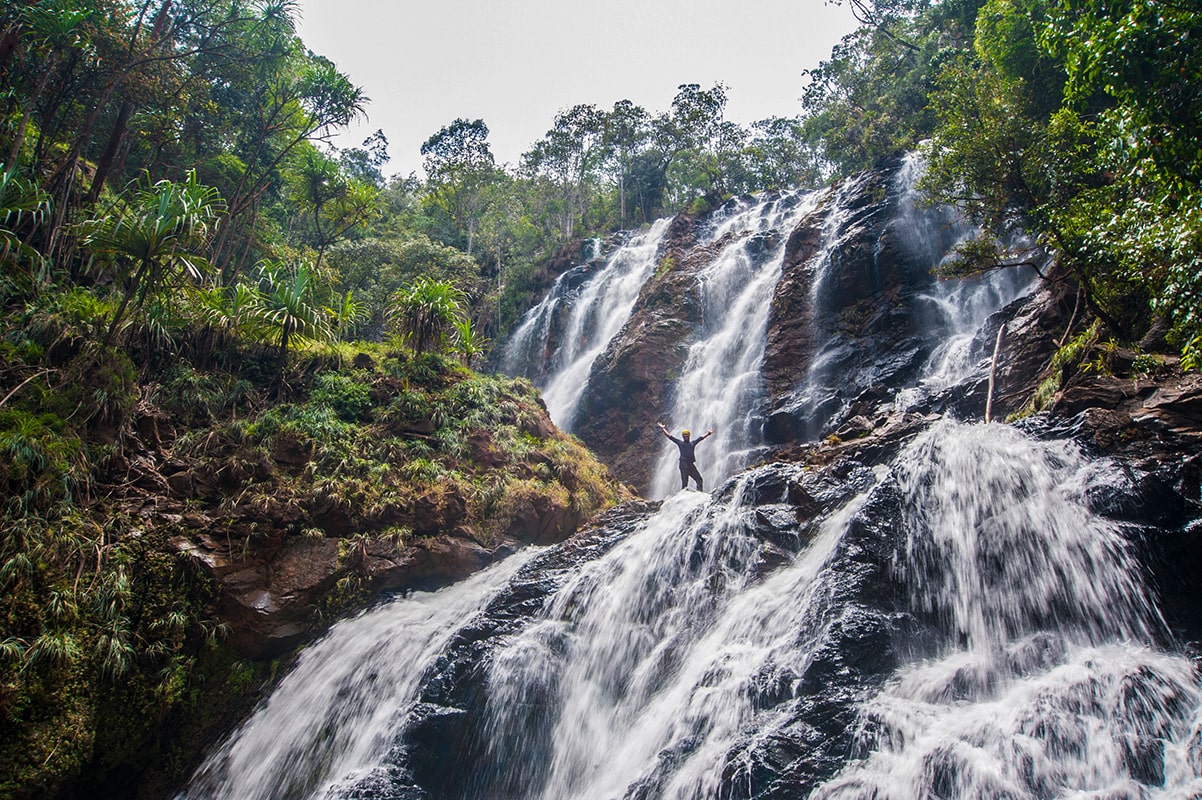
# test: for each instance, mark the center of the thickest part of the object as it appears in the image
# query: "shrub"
(348, 398)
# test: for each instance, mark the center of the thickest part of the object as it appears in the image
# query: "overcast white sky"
(515, 63)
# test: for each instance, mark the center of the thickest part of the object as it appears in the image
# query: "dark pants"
(688, 469)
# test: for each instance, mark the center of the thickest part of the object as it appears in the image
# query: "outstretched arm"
(664, 431)
(705, 436)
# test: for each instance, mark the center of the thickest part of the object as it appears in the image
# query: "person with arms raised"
(688, 459)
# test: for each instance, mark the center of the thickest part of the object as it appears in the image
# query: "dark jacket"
(686, 448)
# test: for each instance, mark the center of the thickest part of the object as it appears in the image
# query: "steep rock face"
(268, 593)
(850, 321)
(630, 382)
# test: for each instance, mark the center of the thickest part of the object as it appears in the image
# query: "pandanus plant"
(288, 305)
(22, 204)
(157, 237)
(425, 311)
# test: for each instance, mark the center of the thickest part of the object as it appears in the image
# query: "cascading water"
(331, 720)
(720, 385)
(583, 313)
(656, 653)
(957, 624)
(958, 621)
(1047, 685)
(962, 306)
(936, 348)
(889, 302)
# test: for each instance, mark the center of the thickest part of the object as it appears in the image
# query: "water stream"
(720, 385)
(331, 720)
(956, 622)
(583, 311)
(682, 664)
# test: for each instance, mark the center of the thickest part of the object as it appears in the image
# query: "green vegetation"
(108, 629)
(209, 313)
(1075, 119)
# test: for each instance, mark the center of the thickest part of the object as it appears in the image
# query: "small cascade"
(559, 339)
(720, 385)
(1047, 685)
(933, 326)
(331, 720)
(961, 307)
(656, 657)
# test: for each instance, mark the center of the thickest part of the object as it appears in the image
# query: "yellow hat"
(684, 432)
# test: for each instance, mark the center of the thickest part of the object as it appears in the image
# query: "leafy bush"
(349, 398)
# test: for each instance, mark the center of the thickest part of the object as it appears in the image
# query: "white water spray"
(331, 719)
(720, 385)
(595, 313)
(1049, 686)
(657, 648)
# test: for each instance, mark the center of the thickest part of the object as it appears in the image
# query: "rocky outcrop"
(851, 320)
(630, 383)
(289, 546)
(269, 591)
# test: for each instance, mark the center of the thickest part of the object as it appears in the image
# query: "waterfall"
(584, 310)
(938, 348)
(960, 307)
(954, 618)
(885, 333)
(720, 385)
(331, 720)
(1047, 685)
(957, 623)
(659, 649)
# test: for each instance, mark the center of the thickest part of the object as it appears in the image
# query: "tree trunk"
(110, 151)
(19, 139)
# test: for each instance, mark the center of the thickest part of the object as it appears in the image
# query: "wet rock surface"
(635, 371)
(859, 637)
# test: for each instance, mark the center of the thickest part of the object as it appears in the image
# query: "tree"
(1058, 120)
(780, 156)
(1142, 57)
(459, 164)
(364, 163)
(286, 304)
(869, 100)
(336, 203)
(568, 156)
(51, 31)
(626, 132)
(691, 131)
(425, 310)
(303, 98)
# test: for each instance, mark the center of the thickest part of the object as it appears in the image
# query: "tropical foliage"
(1077, 120)
(192, 278)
